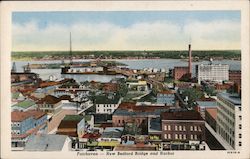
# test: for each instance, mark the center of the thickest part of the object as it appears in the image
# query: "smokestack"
(190, 60)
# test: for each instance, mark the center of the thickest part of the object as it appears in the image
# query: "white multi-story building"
(107, 104)
(229, 119)
(212, 72)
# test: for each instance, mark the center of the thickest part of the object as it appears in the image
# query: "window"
(195, 128)
(176, 127)
(119, 121)
(176, 136)
(239, 108)
(199, 128)
(239, 126)
(169, 136)
(191, 128)
(184, 128)
(184, 137)
(180, 136)
(180, 128)
(240, 117)
(240, 136)
(169, 127)
(165, 136)
(165, 127)
(191, 137)
(195, 137)
(239, 143)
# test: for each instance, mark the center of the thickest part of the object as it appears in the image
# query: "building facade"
(50, 104)
(229, 119)
(179, 72)
(182, 128)
(24, 124)
(166, 97)
(212, 72)
(107, 104)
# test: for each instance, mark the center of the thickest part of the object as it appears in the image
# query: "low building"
(42, 92)
(182, 130)
(25, 105)
(23, 124)
(50, 104)
(17, 97)
(137, 85)
(211, 117)
(107, 103)
(229, 119)
(166, 97)
(138, 114)
(72, 125)
(204, 104)
(180, 72)
(110, 137)
(48, 142)
(235, 76)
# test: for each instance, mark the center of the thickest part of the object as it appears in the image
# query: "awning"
(108, 143)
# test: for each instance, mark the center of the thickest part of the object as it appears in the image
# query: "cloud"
(157, 35)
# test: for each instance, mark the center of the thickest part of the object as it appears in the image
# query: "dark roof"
(181, 115)
(20, 116)
(233, 98)
(73, 118)
(107, 99)
(65, 97)
(127, 108)
(102, 118)
(70, 121)
(49, 99)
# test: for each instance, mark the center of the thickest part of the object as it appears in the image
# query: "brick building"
(182, 127)
(211, 116)
(179, 72)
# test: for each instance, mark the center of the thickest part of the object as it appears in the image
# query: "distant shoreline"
(115, 59)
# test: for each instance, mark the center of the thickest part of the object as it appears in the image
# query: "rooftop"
(207, 103)
(212, 112)
(17, 116)
(181, 115)
(112, 132)
(73, 118)
(49, 99)
(128, 108)
(25, 104)
(42, 142)
(232, 98)
(107, 99)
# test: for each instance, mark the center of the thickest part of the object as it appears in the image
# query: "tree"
(192, 94)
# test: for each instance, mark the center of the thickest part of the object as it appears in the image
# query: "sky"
(126, 30)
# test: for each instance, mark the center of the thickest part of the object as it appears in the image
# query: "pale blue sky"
(161, 30)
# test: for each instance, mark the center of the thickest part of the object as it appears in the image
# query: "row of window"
(14, 124)
(105, 110)
(182, 128)
(15, 132)
(106, 105)
(180, 136)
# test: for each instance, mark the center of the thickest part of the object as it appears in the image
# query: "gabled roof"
(17, 116)
(49, 99)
